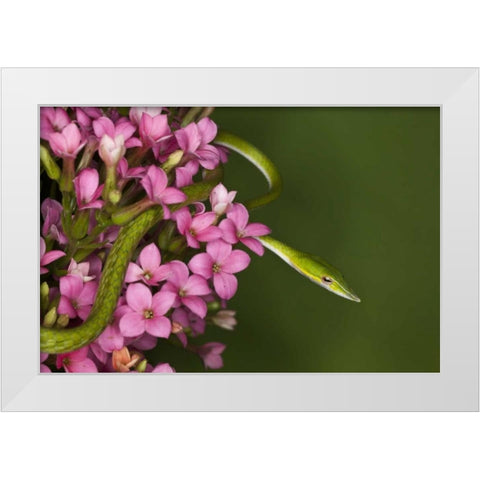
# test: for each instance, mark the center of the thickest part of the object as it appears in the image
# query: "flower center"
(148, 314)
(182, 293)
(192, 232)
(240, 234)
(216, 268)
(147, 275)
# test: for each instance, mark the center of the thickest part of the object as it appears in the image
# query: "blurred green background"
(361, 190)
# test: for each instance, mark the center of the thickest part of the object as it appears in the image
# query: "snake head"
(325, 275)
(314, 268)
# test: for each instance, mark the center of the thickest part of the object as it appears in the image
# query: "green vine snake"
(56, 341)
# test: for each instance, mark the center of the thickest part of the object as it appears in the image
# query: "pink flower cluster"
(184, 270)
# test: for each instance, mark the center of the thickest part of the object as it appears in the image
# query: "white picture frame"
(455, 388)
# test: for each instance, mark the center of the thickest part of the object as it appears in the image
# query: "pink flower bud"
(221, 199)
(225, 319)
(111, 150)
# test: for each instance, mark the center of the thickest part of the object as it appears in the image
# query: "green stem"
(191, 115)
(68, 174)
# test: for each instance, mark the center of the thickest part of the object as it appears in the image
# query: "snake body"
(56, 341)
(66, 340)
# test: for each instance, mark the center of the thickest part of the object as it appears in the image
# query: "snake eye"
(327, 280)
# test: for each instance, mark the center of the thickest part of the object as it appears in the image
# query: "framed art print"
(255, 239)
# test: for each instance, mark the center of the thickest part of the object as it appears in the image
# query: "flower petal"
(163, 368)
(86, 184)
(87, 295)
(71, 286)
(219, 250)
(236, 262)
(85, 366)
(254, 245)
(209, 234)
(132, 324)
(51, 256)
(78, 355)
(173, 195)
(159, 327)
(139, 297)
(203, 221)
(145, 342)
(72, 137)
(179, 273)
(196, 304)
(150, 258)
(208, 129)
(134, 273)
(162, 302)
(183, 177)
(225, 285)
(256, 230)
(111, 339)
(197, 285)
(202, 265)
(83, 311)
(103, 126)
(208, 157)
(65, 307)
(183, 219)
(188, 138)
(229, 230)
(239, 215)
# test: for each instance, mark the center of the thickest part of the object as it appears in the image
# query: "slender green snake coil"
(56, 341)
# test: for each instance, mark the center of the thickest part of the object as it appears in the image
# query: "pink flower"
(76, 297)
(143, 342)
(220, 263)
(52, 120)
(136, 113)
(80, 269)
(146, 313)
(236, 228)
(163, 368)
(155, 184)
(187, 289)
(112, 149)
(52, 224)
(49, 257)
(211, 354)
(76, 362)
(197, 229)
(184, 175)
(85, 117)
(125, 173)
(95, 267)
(104, 126)
(111, 339)
(221, 199)
(153, 131)
(68, 143)
(150, 271)
(188, 319)
(100, 356)
(193, 140)
(109, 235)
(87, 189)
(43, 367)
